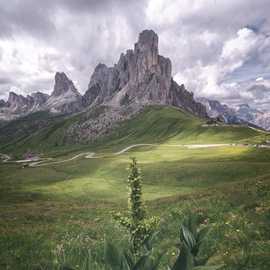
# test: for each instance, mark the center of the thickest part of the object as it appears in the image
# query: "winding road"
(90, 155)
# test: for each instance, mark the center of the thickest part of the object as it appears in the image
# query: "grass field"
(44, 206)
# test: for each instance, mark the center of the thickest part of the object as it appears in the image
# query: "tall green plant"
(139, 226)
(191, 240)
(118, 259)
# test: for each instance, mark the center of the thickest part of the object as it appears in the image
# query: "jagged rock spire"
(140, 77)
(62, 85)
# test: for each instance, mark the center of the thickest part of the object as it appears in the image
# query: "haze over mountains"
(140, 77)
(240, 114)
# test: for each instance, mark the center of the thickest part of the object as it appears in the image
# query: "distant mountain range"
(242, 114)
(141, 77)
(64, 99)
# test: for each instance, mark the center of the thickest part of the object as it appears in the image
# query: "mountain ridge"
(140, 77)
(241, 114)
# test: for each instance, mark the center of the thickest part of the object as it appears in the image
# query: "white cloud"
(214, 45)
(237, 50)
(165, 13)
(210, 80)
(27, 62)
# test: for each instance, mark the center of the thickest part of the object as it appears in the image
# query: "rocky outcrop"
(65, 98)
(241, 114)
(38, 100)
(141, 77)
(185, 99)
(215, 109)
(103, 84)
(18, 103)
(244, 111)
(2, 103)
(62, 85)
(263, 121)
(97, 122)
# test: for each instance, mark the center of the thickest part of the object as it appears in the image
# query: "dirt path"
(91, 155)
(4, 157)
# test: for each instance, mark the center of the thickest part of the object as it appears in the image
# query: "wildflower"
(206, 221)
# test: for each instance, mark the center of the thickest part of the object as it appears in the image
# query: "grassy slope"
(154, 125)
(39, 205)
(159, 124)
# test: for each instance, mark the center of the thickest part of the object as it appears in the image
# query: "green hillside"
(154, 124)
(170, 124)
(60, 206)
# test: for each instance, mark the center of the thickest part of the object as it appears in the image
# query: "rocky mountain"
(244, 111)
(18, 103)
(16, 106)
(241, 114)
(141, 77)
(263, 120)
(2, 103)
(257, 117)
(65, 98)
(217, 110)
(38, 100)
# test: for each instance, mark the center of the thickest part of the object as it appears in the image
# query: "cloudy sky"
(219, 48)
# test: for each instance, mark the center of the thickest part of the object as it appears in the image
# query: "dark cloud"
(25, 17)
(38, 17)
(5, 80)
(75, 35)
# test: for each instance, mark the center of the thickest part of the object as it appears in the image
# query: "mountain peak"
(60, 76)
(12, 95)
(140, 77)
(148, 39)
(63, 85)
(100, 66)
(15, 99)
(39, 98)
(2, 103)
(146, 49)
(65, 98)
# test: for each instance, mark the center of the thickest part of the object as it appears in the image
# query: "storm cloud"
(219, 48)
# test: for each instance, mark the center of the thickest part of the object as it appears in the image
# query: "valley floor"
(40, 205)
(40, 162)
(67, 200)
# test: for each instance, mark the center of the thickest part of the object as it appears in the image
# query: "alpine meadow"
(156, 163)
